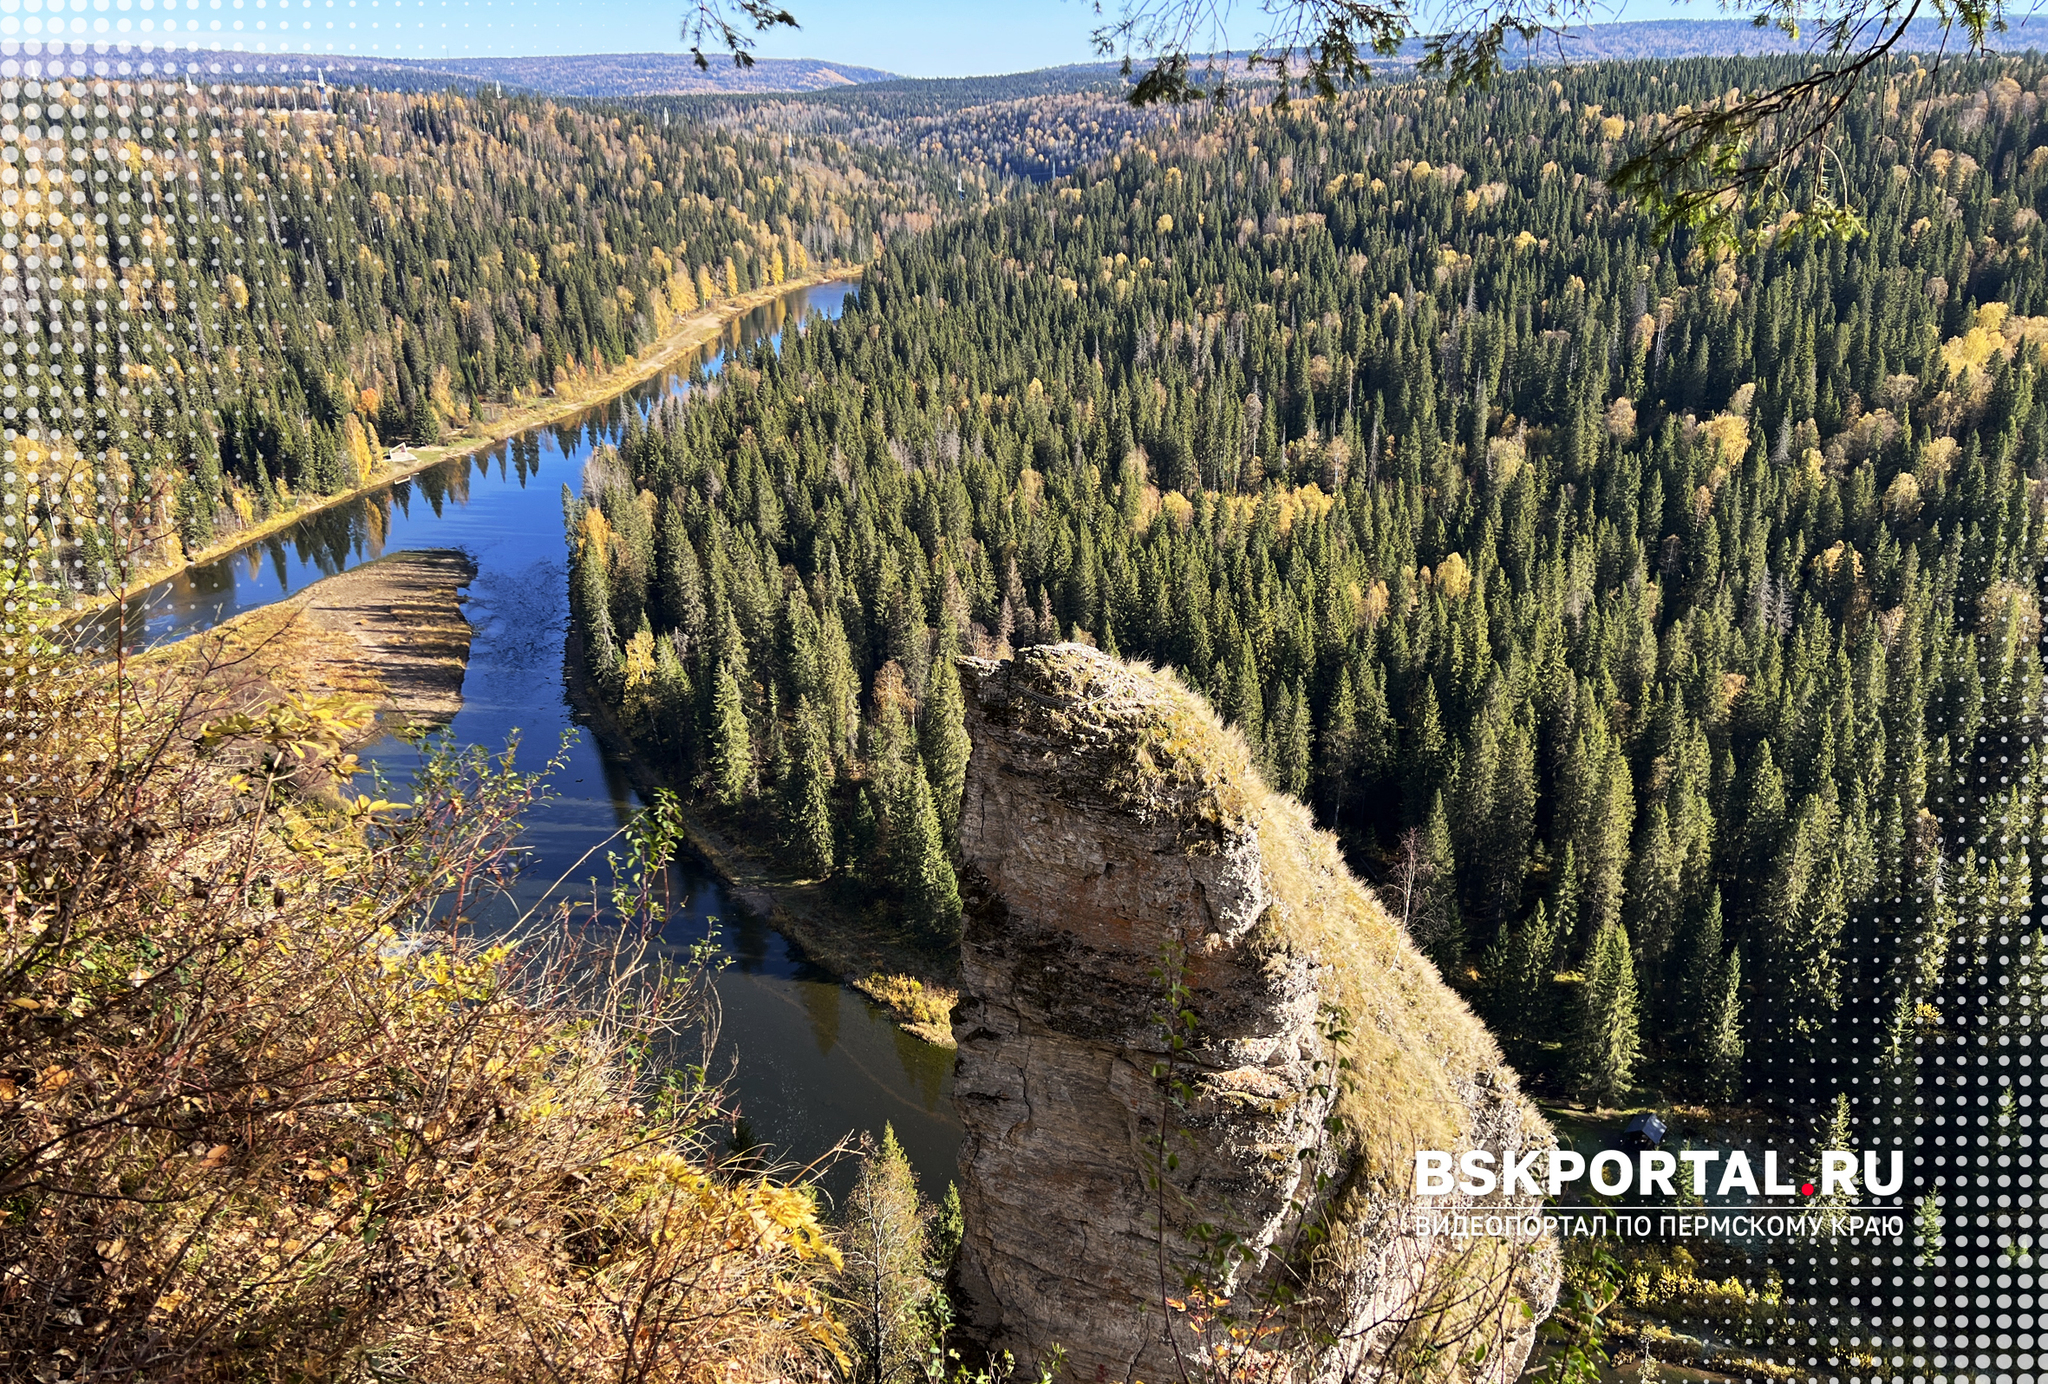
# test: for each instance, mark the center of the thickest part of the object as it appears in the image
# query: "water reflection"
(815, 1059)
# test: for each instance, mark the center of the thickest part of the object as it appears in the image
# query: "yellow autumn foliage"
(394, 1140)
(1730, 433)
(1454, 577)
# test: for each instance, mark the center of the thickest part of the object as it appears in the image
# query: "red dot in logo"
(1806, 1189)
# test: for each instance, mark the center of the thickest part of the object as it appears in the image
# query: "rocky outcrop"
(1118, 841)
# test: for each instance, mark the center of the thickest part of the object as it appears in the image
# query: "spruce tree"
(1721, 1032)
(593, 600)
(1243, 703)
(1606, 854)
(1700, 971)
(1803, 923)
(679, 584)
(1294, 745)
(1337, 766)
(1517, 971)
(672, 698)
(861, 854)
(1605, 1048)
(924, 874)
(1837, 1134)
(946, 1231)
(942, 732)
(1435, 920)
(808, 797)
(1425, 750)
(1653, 888)
(882, 1287)
(1762, 793)
(732, 743)
(776, 752)
(1564, 904)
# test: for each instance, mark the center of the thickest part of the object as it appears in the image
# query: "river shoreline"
(812, 1056)
(917, 994)
(697, 330)
(382, 649)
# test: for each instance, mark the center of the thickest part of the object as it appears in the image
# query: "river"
(815, 1060)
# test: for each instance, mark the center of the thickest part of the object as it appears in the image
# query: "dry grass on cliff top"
(1415, 1052)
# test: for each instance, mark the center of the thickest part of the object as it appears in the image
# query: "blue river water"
(815, 1061)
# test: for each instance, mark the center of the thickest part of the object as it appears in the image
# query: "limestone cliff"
(1116, 834)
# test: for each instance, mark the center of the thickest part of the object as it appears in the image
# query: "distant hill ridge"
(577, 74)
(626, 75)
(661, 74)
(1726, 38)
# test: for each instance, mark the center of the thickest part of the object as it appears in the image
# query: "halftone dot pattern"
(120, 205)
(197, 31)
(252, 33)
(1969, 1290)
(67, 503)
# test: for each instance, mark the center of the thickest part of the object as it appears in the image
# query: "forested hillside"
(615, 75)
(380, 268)
(1635, 616)
(976, 135)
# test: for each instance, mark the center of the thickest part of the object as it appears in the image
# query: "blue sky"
(919, 38)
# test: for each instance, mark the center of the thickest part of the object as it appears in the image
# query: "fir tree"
(1605, 1048)
(732, 743)
(942, 732)
(882, 1286)
(808, 798)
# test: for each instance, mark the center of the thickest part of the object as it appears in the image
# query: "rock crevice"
(1118, 841)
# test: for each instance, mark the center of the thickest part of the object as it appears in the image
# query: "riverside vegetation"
(1633, 615)
(403, 269)
(275, 1103)
(268, 1108)
(1636, 616)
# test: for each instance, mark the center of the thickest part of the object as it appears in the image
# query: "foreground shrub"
(270, 1107)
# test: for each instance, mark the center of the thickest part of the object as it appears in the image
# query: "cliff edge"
(1117, 837)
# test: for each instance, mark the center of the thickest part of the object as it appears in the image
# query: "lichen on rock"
(1116, 834)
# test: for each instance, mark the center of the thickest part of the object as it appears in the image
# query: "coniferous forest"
(402, 268)
(1654, 622)
(1633, 611)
